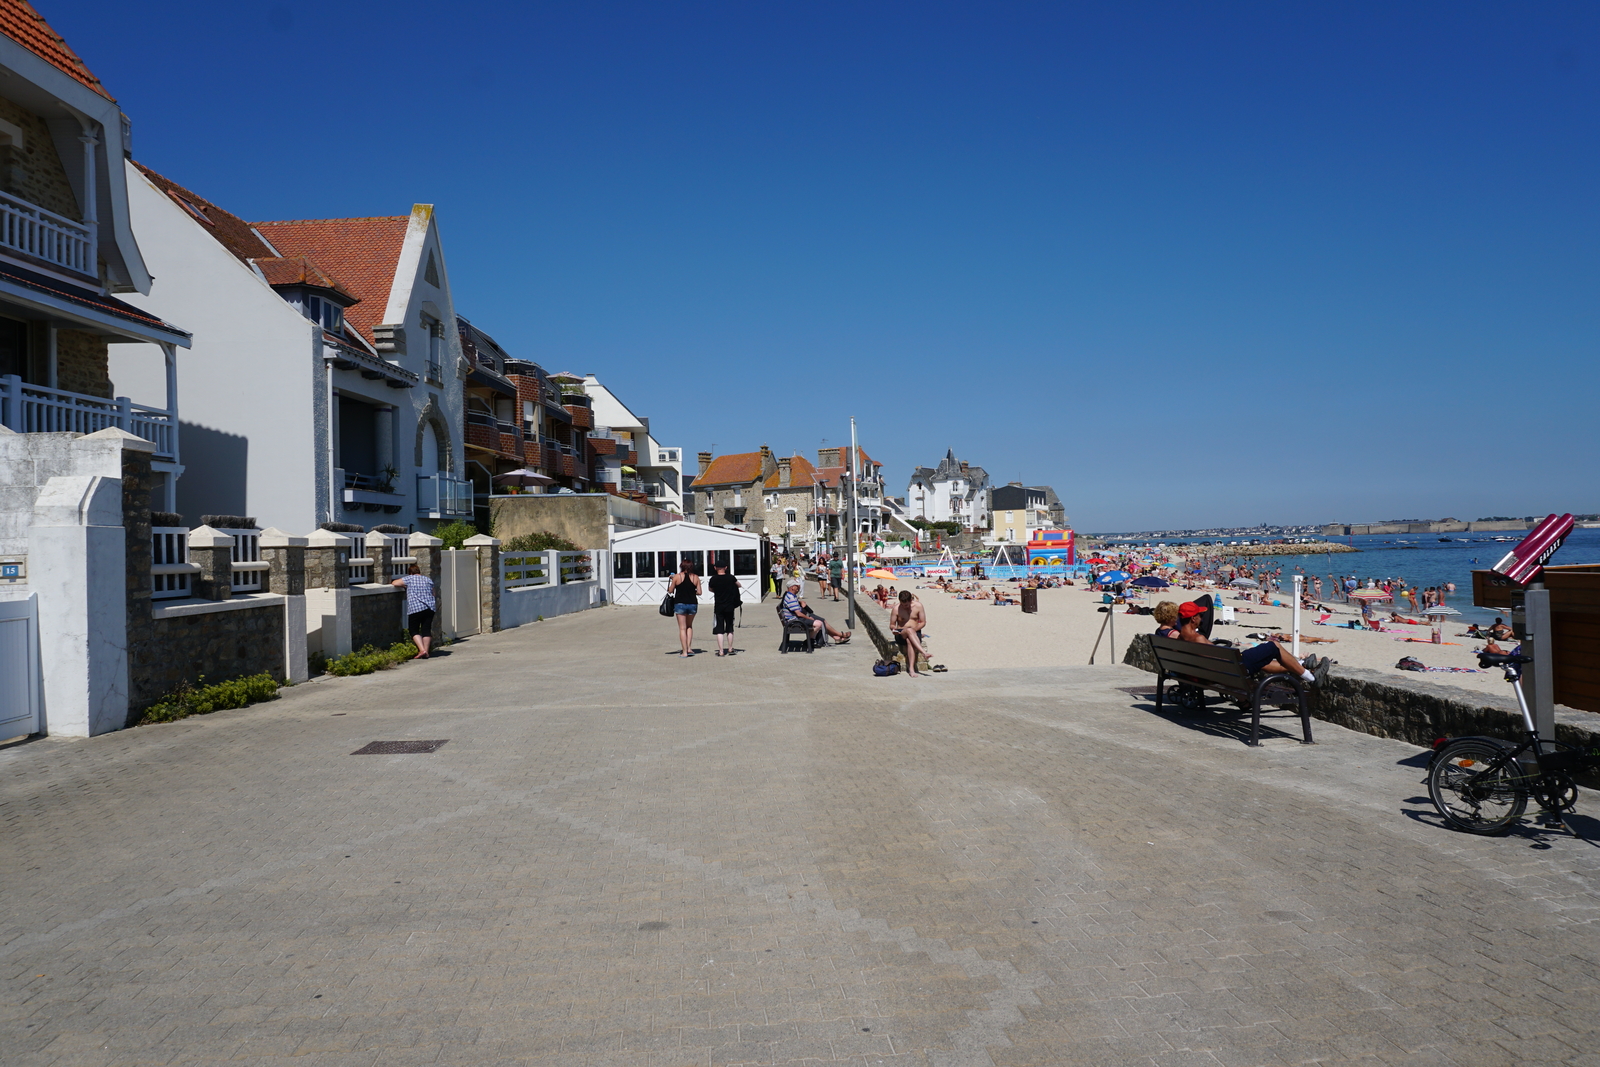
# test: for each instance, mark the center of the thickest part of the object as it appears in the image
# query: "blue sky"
(1191, 264)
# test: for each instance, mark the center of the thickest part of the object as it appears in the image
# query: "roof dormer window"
(324, 312)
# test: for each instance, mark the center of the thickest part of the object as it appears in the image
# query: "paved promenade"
(621, 858)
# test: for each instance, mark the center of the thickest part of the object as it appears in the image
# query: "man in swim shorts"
(1269, 657)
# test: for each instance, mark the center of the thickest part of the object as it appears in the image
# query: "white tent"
(643, 560)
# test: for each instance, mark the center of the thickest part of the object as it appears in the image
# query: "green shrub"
(187, 700)
(540, 541)
(368, 659)
(453, 534)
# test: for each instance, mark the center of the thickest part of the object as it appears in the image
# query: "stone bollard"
(287, 556)
(425, 549)
(488, 550)
(327, 577)
(212, 551)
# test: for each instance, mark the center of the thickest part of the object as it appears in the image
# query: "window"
(435, 347)
(788, 516)
(738, 498)
(647, 564)
(744, 561)
(624, 565)
(666, 563)
(698, 559)
(719, 558)
(325, 313)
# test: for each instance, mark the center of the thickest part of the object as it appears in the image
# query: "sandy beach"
(974, 634)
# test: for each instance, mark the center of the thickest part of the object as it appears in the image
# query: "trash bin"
(1030, 601)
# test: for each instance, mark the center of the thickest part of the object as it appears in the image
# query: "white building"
(325, 377)
(643, 560)
(658, 470)
(954, 491)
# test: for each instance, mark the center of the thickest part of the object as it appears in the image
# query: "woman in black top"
(725, 590)
(685, 589)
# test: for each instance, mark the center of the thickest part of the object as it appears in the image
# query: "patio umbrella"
(1369, 594)
(1150, 581)
(1112, 577)
(1246, 583)
(1440, 609)
(1436, 615)
(879, 572)
(523, 476)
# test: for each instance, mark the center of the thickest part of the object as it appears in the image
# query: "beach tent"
(643, 560)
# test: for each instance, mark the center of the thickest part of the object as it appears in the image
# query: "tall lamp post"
(851, 473)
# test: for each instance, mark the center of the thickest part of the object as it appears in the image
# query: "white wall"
(247, 384)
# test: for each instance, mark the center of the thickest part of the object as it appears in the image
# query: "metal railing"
(248, 573)
(29, 408)
(444, 495)
(46, 236)
(170, 569)
(520, 570)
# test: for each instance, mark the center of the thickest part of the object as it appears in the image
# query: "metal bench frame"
(1222, 669)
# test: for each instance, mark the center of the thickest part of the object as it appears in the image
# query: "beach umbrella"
(523, 476)
(1150, 581)
(1436, 616)
(879, 572)
(1112, 577)
(1369, 594)
(1246, 583)
(1440, 609)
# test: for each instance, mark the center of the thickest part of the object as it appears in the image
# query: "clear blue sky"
(1189, 263)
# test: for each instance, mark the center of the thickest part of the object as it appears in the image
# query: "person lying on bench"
(1268, 657)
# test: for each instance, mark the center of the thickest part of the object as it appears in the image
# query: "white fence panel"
(249, 572)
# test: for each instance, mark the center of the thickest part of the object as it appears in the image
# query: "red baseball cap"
(1189, 609)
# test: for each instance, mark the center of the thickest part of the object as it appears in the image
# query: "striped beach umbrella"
(1369, 594)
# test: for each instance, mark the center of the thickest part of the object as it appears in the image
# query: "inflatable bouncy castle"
(1051, 548)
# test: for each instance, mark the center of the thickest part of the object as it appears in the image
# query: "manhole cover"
(399, 748)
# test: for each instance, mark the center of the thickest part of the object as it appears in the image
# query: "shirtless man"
(906, 623)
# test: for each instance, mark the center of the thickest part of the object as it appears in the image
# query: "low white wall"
(521, 606)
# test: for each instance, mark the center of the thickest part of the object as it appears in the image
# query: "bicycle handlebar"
(1501, 659)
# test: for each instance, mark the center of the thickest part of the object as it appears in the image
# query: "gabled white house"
(323, 382)
(643, 560)
(954, 491)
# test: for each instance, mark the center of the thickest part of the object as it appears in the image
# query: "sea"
(1423, 560)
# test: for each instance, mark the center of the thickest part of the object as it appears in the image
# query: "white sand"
(974, 634)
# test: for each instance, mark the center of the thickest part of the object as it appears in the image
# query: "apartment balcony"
(603, 446)
(443, 496)
(46, 238)
(29, 408)
(369, 493)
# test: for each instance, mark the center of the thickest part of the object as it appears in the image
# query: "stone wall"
(82, 365)
(377, 619)
(875, 621)
(205, 648)
(35, 172)
(1419, 711)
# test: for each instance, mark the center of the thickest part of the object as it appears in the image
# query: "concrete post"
(552, 567)
(426, 550)
(212, 551)
(328, 592)
(488, 550)
(287, 555)
(77, 560)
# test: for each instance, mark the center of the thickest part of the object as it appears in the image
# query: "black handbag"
(667, 604)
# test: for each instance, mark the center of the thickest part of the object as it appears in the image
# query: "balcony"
(443, 496)
(29, 408)
(367, 492)
(46, 237)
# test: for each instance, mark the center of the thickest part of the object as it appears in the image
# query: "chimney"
(830, 457)
(769, 465)
(705, 463)
(963, 466)
(783, 473)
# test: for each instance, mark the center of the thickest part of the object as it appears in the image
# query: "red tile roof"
(801, 472)
(232, 232)
(361, 253)
(739, 468)
(300, 270)
(20, 22)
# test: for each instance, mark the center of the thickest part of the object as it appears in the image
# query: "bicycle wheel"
(1469, 795)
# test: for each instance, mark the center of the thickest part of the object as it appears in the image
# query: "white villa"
(954, 491)
(658, 471)
(325, 378)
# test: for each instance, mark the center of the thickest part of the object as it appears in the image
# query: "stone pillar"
(212, 551)
(328, 592)
(488, 550)
(381, 555)
(287, 555)
(426, 550)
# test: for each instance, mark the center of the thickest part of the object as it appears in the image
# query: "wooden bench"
(1221, 669)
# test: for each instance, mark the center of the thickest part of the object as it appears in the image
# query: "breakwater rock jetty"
(1311, 548)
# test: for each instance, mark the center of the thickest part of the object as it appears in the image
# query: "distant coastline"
(1312, 548)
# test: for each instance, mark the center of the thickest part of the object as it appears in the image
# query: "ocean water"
(1423, 560)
